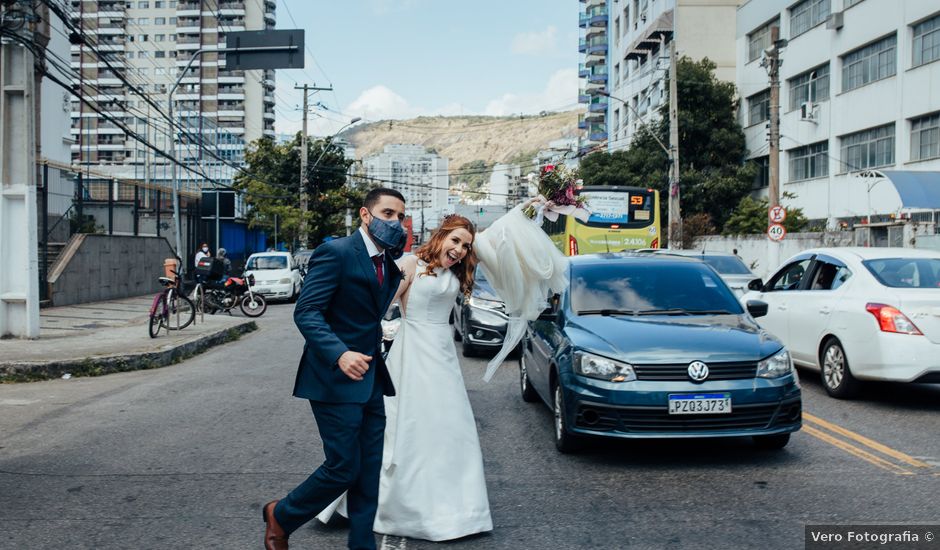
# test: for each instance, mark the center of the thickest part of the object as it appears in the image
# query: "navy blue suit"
(340, 309)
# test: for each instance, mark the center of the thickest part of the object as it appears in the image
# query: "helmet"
(221, 253)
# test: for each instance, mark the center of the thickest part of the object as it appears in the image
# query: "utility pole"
(303, 162)
(675, 211)
(772, 63)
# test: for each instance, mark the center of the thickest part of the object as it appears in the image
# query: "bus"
(622, 218)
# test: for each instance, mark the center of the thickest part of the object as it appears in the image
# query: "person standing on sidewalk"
(348, 287)
(203, 252)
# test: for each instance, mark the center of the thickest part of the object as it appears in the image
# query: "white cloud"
(561, 92)
(380, 102)
(535, 43)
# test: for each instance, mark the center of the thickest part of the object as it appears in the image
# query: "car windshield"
(256, 263)
(644, 288)
(727, 265)
(906, 272)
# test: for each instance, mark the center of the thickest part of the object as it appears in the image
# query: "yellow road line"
(853, 450)
(883, 449)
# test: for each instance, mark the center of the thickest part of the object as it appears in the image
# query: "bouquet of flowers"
(557, 186)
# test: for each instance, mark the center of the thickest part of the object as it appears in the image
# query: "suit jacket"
(340, 308)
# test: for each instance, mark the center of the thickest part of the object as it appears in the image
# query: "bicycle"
(171, 309)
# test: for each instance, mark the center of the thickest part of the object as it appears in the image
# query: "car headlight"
(775, 366)
(595, 366)
(284, 281)
(483, 303)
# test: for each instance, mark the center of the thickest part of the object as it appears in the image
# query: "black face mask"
(389, 234)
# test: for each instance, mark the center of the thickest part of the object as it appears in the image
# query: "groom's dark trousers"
(340, 309)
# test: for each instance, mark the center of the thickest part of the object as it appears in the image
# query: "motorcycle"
(223, 297)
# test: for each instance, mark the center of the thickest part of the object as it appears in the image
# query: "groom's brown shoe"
(274, 536)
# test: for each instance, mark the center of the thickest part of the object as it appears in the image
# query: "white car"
(277, 275)
(857, 314)
(730, 268)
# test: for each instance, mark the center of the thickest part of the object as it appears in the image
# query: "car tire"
(565, 442)
(771, 442)
(837, 377)
(293, 296)
(525, 387)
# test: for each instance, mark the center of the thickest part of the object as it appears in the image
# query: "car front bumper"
(274, 290)
(485, 328)
(639, 409)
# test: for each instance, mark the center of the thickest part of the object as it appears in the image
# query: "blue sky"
(405, 58)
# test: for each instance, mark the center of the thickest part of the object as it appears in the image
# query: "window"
(143, 20)
(159, 54)
(806, 15)
(626, 19)
(616, 74)
(172, 20)
(758, 108)
(142, 54)
(811, 86)
(762, 178)
(925, 137)
(927, 41)
(143, 5)
(829, 276)
(759, 40)
(617, 31)
(869, 148)
(905, 272)
(810, 161)
(789, 278)
(159, 20)
(159, 37)
(142, 38)
(868, 64)
(159, 4)
(159, 71)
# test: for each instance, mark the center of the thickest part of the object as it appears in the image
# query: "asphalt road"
(184, 457)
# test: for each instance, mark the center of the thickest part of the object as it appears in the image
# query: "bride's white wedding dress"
(432, 485)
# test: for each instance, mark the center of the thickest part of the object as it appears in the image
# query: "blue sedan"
(654, 346)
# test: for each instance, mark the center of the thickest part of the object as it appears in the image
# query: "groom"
(349, 285)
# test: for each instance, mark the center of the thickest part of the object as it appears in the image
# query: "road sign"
(777, 214)
(269, 49)
(776, 232)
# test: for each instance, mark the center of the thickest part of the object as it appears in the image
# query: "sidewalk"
(104, 337)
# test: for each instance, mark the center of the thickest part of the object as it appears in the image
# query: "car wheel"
(771, 442)
(836, 375)
(528, 393)
(564, 441)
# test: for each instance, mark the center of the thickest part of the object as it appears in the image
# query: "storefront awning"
(917, 189)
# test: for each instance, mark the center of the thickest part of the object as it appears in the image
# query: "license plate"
(261, 290)
(700, 403)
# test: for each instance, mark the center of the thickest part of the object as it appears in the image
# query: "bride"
(432, 484)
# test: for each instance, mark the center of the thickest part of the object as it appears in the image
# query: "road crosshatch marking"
(903, 464)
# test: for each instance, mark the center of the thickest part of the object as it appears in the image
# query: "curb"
(96, 366)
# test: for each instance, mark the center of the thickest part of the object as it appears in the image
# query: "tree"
(271, 187)
(750, 217)
(713, 174)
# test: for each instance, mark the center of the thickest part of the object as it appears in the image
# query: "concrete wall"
(752, 249)
(103, 267)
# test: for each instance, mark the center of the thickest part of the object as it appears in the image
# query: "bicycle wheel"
(157, 317)
(180, 309)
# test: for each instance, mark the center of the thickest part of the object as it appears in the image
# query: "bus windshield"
(626, 209)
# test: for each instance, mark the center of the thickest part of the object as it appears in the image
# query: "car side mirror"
(551, 312)
(757, 308)
(755, 284)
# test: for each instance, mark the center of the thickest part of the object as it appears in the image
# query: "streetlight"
(306, 170)
(675, 225)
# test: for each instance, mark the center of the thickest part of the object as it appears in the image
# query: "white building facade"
(641, 35)
(149, 43)
(419, 175)
(593, 70)
(859, 92)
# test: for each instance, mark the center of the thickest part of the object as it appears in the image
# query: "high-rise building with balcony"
(641, 35)
(421, 176)
(593, 72)
(147, 43)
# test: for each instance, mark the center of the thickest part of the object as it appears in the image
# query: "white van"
(277, 276)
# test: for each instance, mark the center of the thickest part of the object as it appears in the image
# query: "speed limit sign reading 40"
(776, 232)
(776, 214)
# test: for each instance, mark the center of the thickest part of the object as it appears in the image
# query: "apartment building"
(421, 176)
(641, 36)
(859, 94)
(149, 43)
(593, 73)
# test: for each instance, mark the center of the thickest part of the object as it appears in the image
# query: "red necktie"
(377, 260)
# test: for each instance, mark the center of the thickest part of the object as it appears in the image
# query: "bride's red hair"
(430, 252)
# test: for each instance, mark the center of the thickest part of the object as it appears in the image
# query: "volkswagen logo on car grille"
(698, 371)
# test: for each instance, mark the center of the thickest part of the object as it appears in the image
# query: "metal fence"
(72, 202)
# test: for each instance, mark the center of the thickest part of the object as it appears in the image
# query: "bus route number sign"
(776, 232)
(776, 214)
